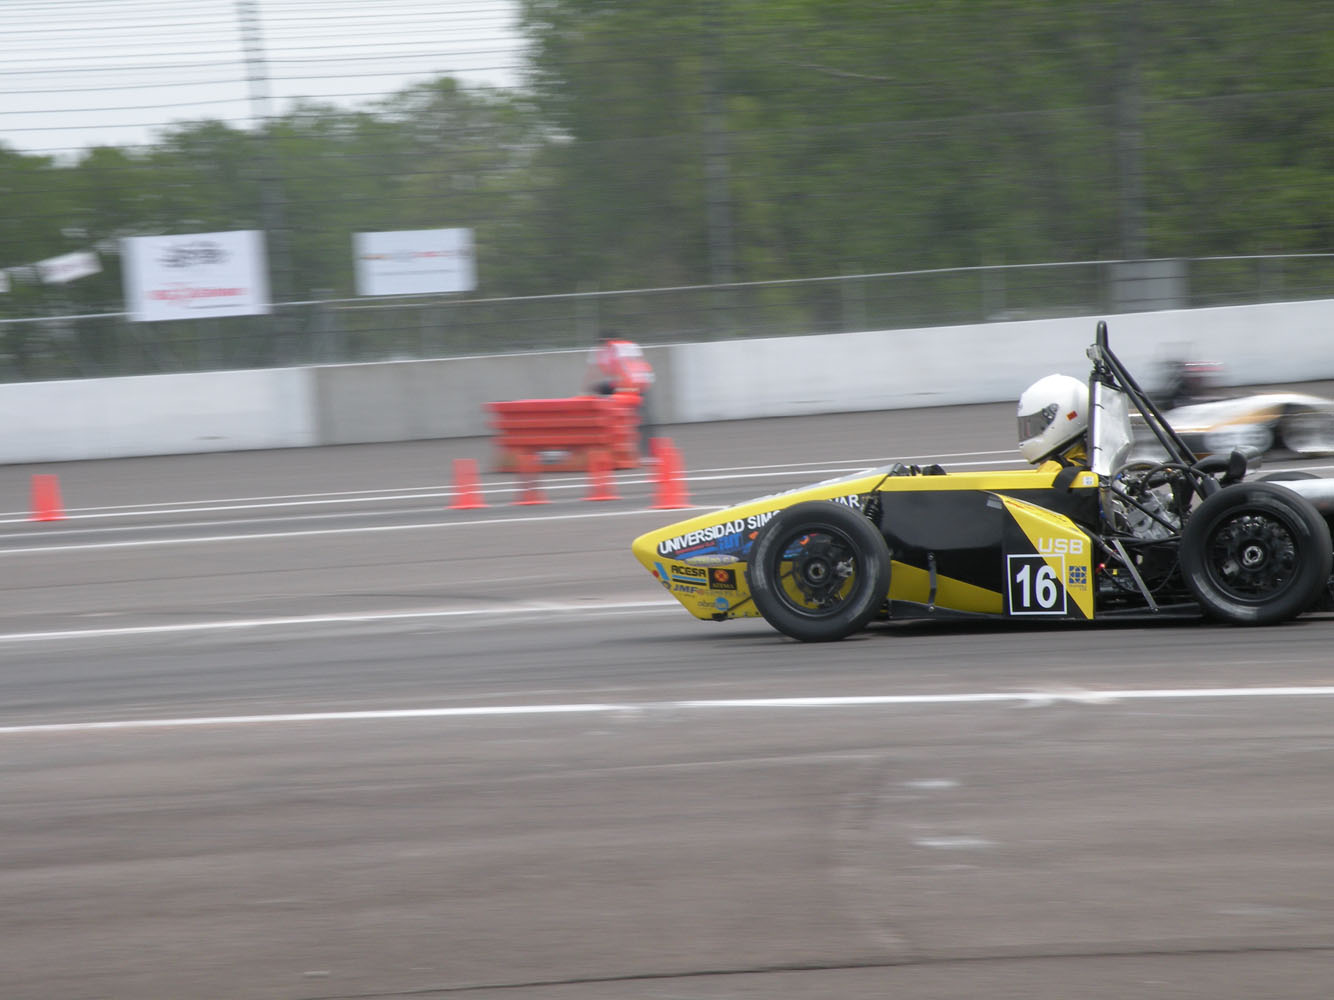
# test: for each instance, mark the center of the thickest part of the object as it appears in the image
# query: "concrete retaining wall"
(408, 400)
(880, 370)
(156, 415)
(724, 380)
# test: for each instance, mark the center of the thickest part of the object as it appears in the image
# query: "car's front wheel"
(819, 571)
(1255, 554)
(1309, 434)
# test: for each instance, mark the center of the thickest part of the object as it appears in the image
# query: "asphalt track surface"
(282, 725)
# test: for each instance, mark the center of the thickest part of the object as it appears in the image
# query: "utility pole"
(1130, 133)
(717, 177)
(718, 180)
(273, 206)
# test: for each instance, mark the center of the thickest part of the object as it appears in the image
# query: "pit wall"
(722, 380)
(155, 415)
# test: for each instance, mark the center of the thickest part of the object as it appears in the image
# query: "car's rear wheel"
(819, 571)
(1255, 554)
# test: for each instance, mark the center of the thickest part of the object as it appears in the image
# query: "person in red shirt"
(618, 366)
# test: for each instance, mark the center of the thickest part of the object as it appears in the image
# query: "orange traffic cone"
(602, 485)
(467, 492)
(531, 492)
(46, 505)
(671, 493)
(656, 447)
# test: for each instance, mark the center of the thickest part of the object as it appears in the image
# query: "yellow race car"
(1084, 535)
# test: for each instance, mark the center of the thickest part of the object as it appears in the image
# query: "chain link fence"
(338, 331)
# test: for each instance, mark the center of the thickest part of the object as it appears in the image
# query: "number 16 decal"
(1036, 587)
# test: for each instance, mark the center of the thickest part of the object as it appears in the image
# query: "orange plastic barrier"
(562, 434)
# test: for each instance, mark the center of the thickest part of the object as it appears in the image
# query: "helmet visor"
(1033, 424)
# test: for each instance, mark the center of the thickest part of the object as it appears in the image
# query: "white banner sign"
(415, 261)
(68, 267)
(195, 275)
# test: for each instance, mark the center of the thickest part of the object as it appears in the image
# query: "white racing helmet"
(1053, 414)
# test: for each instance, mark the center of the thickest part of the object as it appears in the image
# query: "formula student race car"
(1288, 422)
(1086, 535)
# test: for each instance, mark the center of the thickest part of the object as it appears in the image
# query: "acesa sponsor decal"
(680, 573)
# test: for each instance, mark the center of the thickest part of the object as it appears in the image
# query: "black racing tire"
(1309, 434)
(1287, 475)
(819, 571)
(1256, 554)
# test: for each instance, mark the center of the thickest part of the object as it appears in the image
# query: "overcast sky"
(76, 73)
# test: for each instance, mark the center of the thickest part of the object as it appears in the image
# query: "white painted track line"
(1018, 698)
(144, 543)
(554, 484)
(516, 609)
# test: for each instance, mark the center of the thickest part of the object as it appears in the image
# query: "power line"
(96, 13)
(81, 26)
(309, 30)
(141, 67)
(130, 86)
